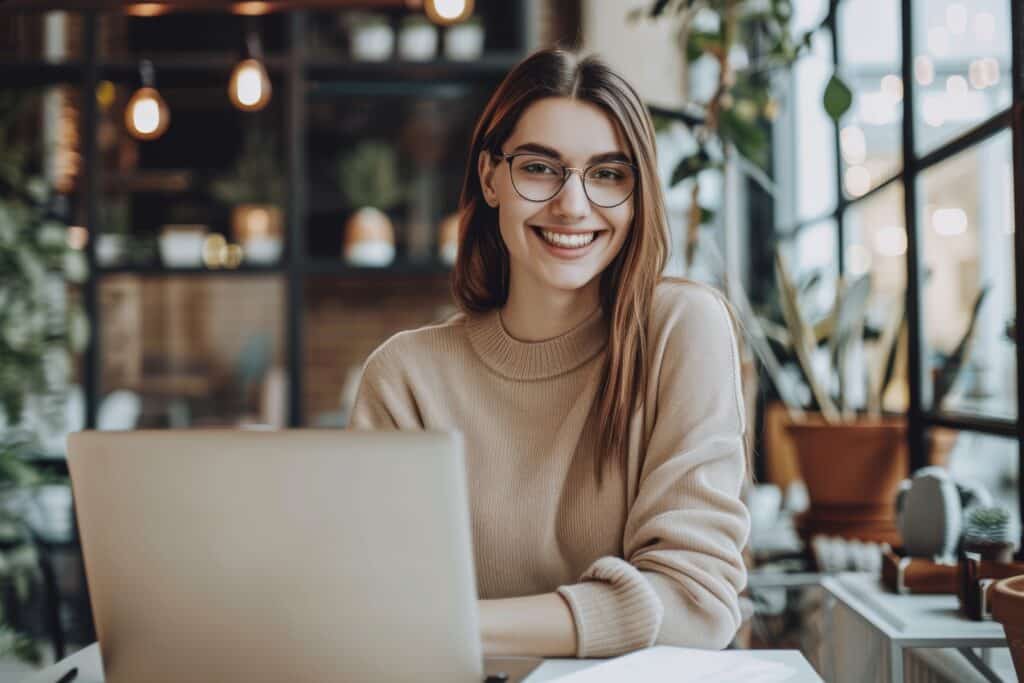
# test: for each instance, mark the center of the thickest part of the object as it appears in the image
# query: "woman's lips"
(568, 253)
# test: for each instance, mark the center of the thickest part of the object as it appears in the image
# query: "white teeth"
(570, 241)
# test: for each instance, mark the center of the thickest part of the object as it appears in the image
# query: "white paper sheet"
(664, 664)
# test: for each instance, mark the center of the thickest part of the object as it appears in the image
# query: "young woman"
(599, 403)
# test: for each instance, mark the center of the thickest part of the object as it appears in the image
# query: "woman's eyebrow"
(555, 154)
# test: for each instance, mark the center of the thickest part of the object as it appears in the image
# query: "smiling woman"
(546, 209)
(599, 403)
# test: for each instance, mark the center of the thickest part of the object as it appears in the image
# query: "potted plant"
(987, 532)
(852, 458)
(39, 330)
(112, 244)
(255, 191)
(19, 561)
(1008, 610)
(368, 176)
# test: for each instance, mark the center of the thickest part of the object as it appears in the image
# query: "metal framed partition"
(921, 416)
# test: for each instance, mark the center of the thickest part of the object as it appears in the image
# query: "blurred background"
(212, 212)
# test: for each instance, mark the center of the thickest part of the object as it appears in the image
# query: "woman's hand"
(535, 626)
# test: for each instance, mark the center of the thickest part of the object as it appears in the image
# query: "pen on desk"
(69, 676)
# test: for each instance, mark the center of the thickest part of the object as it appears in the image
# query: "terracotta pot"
(1008, 610)
(859, 463)
(852, 472)
(781, 465)
(258, 228)
(369, 238)
(993, 552)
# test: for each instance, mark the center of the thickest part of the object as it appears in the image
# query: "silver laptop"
(299, 555)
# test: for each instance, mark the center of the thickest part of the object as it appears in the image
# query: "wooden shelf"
(400, 266)
(315, 267)
(34, 73)
(168, 181)
(157, 270)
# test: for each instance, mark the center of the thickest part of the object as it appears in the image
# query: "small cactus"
(987, 525)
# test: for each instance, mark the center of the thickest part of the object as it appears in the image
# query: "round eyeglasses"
(538, 178)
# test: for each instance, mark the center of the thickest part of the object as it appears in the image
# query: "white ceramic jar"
(372, 41)
(464, 42)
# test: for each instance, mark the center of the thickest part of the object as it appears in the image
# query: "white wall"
(645, 52)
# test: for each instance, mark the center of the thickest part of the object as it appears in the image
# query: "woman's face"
(563, 243)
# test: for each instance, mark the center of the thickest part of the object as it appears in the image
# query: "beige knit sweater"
(653, 556)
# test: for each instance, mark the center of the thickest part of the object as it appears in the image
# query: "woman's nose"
(571, 201)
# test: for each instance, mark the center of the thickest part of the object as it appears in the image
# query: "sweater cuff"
(615, 609)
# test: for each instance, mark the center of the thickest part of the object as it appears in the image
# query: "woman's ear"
(485, 168)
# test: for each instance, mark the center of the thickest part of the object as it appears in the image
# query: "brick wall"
(189, 325)
(346, 319)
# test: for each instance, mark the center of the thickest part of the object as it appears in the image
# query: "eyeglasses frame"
(567, 171)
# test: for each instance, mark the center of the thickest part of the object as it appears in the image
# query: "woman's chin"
(568, 281)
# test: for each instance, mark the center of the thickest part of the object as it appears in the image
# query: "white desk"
(900, 622)
(90, 667)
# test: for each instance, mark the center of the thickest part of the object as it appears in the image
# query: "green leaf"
(748, 136)
(838, 98)
(702, 40)
(658, 7)
(690, 166)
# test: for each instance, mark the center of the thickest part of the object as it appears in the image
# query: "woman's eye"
(538, 168)
(606, 174)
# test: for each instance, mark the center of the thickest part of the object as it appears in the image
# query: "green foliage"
(257, 178)
(841, 331)
(368, 176)
(744, 102)
(39, 332)
(987, 525)
(951, 366)
(747, 134)
(691, 166)
(837, 98)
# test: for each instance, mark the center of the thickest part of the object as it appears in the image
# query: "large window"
(919, 186)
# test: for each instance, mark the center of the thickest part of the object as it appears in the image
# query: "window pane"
(966, 229)
(961, 66)
(805, 140)
(989, 461)
(870, 133)
(190, 351)
(876, 245)
(345, 323)
(814, 251)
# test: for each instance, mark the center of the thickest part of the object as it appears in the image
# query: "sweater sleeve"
(383, 400)
(683, 568)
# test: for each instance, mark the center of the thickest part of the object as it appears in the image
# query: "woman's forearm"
(536, 625)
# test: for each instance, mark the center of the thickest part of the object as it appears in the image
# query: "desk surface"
(90, 668)
(913, 620)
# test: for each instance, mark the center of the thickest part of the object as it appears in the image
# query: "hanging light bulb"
(147, 115)
(446, 12)
(249, 88)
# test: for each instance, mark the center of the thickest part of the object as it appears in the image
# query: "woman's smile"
(568, 244)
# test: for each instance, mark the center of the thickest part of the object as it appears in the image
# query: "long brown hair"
(480, 280)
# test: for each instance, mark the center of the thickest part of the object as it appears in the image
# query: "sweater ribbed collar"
(519, 360)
